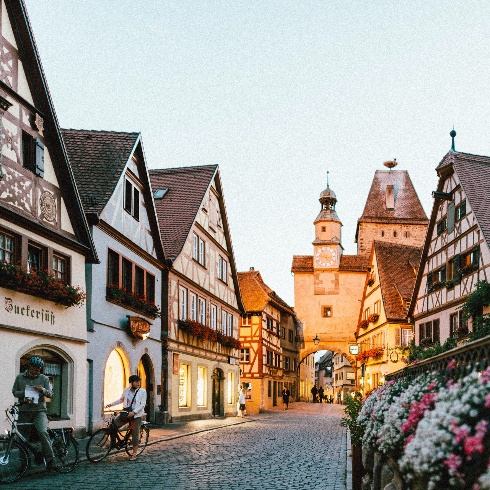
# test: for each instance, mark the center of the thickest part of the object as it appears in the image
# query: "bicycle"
(110, 437)
(14, 449)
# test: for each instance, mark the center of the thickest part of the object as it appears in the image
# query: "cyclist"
(34, 411)
(133, 399)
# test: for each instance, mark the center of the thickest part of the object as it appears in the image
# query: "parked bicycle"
(15, 448)
(110, 437)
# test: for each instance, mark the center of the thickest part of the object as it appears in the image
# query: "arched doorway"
(218, 406)
(145, 372)
(116, 376)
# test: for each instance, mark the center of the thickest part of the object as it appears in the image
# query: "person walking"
(320, 394)
(33, 388)
(133, 399)
(314, 392)
(241, 403)
(285, 398)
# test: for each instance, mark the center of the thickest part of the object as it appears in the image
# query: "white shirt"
(127, 397)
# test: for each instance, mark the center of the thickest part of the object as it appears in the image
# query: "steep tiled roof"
(256, 294)
(407, 203)
(186, 188)
(357, 263)
(97, 159)
(396, 275)
(302, 263)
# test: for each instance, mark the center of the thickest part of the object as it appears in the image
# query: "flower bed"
(135, 301)
(435, 429)
(204, 332)
(41, 284)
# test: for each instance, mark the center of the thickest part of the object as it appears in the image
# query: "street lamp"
(316, 340)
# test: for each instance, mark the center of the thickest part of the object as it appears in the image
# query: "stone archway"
(340, 347)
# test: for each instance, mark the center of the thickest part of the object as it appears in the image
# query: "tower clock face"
(325, 257)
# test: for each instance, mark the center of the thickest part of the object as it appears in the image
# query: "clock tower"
(327, 243)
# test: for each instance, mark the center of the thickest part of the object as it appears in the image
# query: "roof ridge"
(183, 168)
(105, 131)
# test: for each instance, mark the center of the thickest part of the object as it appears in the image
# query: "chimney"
(390, 197)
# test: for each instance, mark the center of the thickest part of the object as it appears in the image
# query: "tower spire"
(453, 135)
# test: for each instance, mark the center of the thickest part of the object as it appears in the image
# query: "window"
(287, 363)
(324, 228)
(139, 281)
(294, 364)
(184, 383)
(290, 336)
(377, 307)
(382, 233)
(365, 315)
(436, 334)
(182, 303)
(6, 248)
(269, 388)
(230, 390)
(199, 250)
(403, 336)
(269, 324)
(34, 259)
(59, 268)
(269, 357)
(230, 325)
(202, 311)
(214, 317)
(193, 306)
(326, 311)
(201, 386)
(127, 274)
(441, 226)
(222, 269)
(113, 268)
(406, 234)
(247, 320)
(463, 322)
(453, 324)
(150, 287)
(245, 355)
(460, 210)
(32, 154)
(277, 360)
(283, 333)
(224, 318)
(450, 270)
(131, 199)
(394, 234)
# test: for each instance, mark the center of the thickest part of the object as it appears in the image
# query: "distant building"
(324, 372)
(306, 378)
(269, 344)
(344, 378)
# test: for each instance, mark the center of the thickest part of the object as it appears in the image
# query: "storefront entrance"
(145, 373)
(217, 378)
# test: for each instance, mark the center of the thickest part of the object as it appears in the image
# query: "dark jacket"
(21, 381)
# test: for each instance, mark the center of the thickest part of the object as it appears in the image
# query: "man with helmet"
(34, 411)
(134, 401)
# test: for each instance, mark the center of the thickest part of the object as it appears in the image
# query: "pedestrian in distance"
(241, 403)
(133, 399)
(32, 388)
(285, 398)
(314, 392)
(320, 394)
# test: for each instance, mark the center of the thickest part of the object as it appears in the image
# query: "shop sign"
(354, 349)
(176, 363)
(139, 327)
(40, 315)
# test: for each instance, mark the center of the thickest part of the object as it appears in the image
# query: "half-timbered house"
(264, 371)
(456, 252)
(44, 238)
(200, 323)
(124, 290)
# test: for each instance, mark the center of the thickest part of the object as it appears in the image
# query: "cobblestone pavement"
(302, 448)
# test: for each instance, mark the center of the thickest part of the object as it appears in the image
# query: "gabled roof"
(186, 188)
(407, 203)
(473, 172)
(256, 294)
(352, 263)
(97, 159)
(42, 99)
(396, 276)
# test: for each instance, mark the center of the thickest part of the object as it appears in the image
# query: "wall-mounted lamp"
(316, 340)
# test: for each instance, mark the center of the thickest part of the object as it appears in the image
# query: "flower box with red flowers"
(435, 285)
(364, 324)
(373, 318)
(41, 284)
(198, 330)
(133, 301)
(466, 269)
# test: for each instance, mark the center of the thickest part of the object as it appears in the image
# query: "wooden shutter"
(456, 266)
(443, 273)
(136, 203)
(439, 228)
(398, 336)
(450, 217)
(39, 158)
(462, 209)
(421, 332)
(476, 257)
(429, 280)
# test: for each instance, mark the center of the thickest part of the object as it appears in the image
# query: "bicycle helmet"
(134, 377)
(36, 362)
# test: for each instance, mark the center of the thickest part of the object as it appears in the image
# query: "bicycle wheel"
(65, 454)
(99, 445)
(144, 434)
(14, 464)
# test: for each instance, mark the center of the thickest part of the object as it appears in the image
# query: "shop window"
(184, 385)
(182, 303)
(231, 386)
(201, 386)
(269, 388)
(132, 200)
(245, 355)
(116, 375)
(56, 369)
(7, 244)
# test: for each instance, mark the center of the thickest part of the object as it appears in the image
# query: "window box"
(364, 324)
(449, 284)
(204, 332)
(426, 341)
(373, 318)
(466, 269)
(41, 284)
(133, 301)
(435, 286)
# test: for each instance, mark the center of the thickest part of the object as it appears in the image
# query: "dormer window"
(132, 200)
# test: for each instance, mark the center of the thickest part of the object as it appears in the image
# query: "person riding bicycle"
(133, 399)
(33, 411)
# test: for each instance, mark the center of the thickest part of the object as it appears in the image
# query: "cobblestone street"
(302, 448)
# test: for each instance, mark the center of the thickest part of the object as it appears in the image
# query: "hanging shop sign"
(354, 349)
(139, 327)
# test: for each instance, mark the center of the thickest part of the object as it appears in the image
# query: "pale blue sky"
(276, 93)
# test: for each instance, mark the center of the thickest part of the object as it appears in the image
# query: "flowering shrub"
(364, 324)
(41, 284)
(373, 318)
(135, 301)
(204, 332)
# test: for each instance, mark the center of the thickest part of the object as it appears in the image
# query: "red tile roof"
(186, 188)
(407, 203)
(256, 294)
(97, 159)
(302, 263)
(396, 275)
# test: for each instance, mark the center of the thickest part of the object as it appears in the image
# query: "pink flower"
(472, 445)
(432, 385)
(452, 364)
(487, 401)
(453, 462)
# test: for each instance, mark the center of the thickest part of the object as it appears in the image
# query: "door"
(274, 394)
(144, 372)
(217, 378)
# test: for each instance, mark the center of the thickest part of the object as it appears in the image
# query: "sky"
(277, 93)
